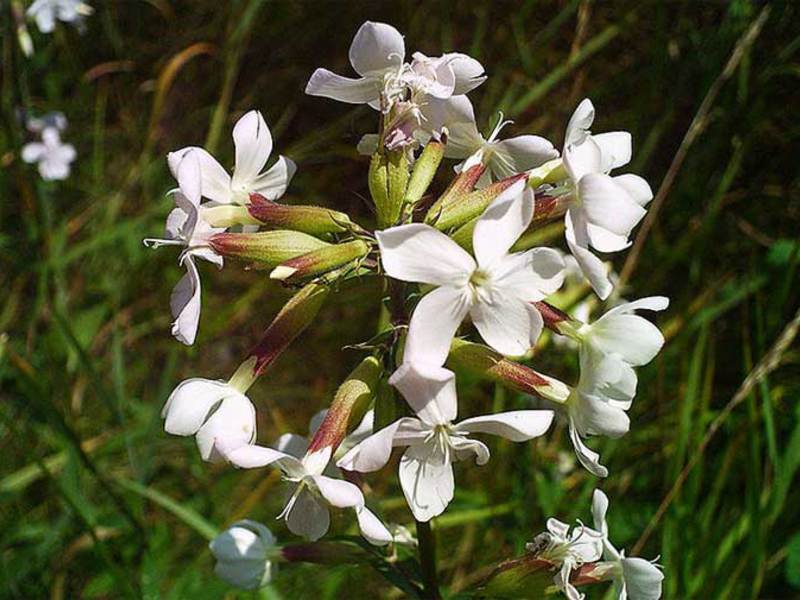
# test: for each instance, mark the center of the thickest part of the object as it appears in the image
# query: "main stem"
(427, 560)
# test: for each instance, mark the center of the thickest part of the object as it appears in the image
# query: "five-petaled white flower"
(635, 578)
(53, 157)
(244, 554)
(219, 416)
(45, 12)
(186, 227)
(433, 441)
(609, 349)
(496, 290)
(253, 142)
(604, 209)
(464, 141)
(568, 548)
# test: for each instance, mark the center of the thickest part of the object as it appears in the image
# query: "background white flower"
(243, 553)
(53, 158)
(46, 12)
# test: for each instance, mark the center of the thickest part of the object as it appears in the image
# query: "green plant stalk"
(427, 560)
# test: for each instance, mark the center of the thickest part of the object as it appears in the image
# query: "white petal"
(427, 482)
(231, 426)
(374, 452)
(634, 338)
(586, 456)
(33, 152)
(508, 324)
(190, 402)
(579, 123)
(519, 154)
(616, 149)
(422, 254)
(502, 223)
(273, 182)
(371, 527)
(465, 448)
(189, 180)
(583, 159)
(599, 509)
(253, 142)
(216, 183)
(247, 574)
(594, 416)
(517, 426)
(185, 304)
(608, 204)
(656, 303)
(592, 267)
(638, 189)
(338, 492)
(469, 73)
(254, 457)
(375, 47)
(308, 516)
(433, 325)
(531, 275)
(430, 391)
(643, 579)
(605, 241)
(292, 444)
(353, 91)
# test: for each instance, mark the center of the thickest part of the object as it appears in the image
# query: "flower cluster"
(52, 157)
(450, 262)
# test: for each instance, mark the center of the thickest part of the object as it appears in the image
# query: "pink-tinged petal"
(185, 304)
(427, 482)
(338, 492)
(579, 123)
(327, 84)
(33, 152)
(371, 527)
(592, 267)
(421, 254)
(508, 324)
(373, 452)
(231, 426)
(469, 73)
(190, 403)
(616, 148)
(254, 457)
(517, 426)
(308, 516)
(583, 159)
(273, 182)
(375, 47)
(434, 324)
(502, 223)
(586, 456)
(608, 205)
(638, 189)
(253, 142)
(429, 390)
(519, 154)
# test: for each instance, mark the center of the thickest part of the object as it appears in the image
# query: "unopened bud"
(388, 178)
(484, 362)
(244, 554)
(294, 317)
(424, 170)
(471, 205)
(462, 184)
(525, 577)
(320, 261)
(348, 406)
(557, 320)
(314, 220)
(267, 249)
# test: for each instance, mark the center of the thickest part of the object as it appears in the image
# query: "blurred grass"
(96, 501)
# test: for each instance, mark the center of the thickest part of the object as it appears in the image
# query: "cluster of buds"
(463, 255)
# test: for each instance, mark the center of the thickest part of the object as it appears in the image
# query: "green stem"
(427, 560)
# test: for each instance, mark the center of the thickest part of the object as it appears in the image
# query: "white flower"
(495, 290)
(253, 143)
(54, 119)
(568, 548)
(635, 578)
(433, 442)
(464, 141)
(609, 349)
(605, 209)
(45, 12)
(186, 227)
(244, 554)
(306, 512)
(52, 157)
(219, 416)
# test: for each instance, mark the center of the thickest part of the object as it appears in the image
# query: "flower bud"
(471, 205)
(488, 364)
(424, 170)
(267, 249)
(244, 554)
(314, 220)
(320, 261)
(348, 406)
(557, 320)
(462, 184)
(524, 577)
(294, 317)
(388, 178)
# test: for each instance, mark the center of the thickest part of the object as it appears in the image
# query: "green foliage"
(96, 501)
